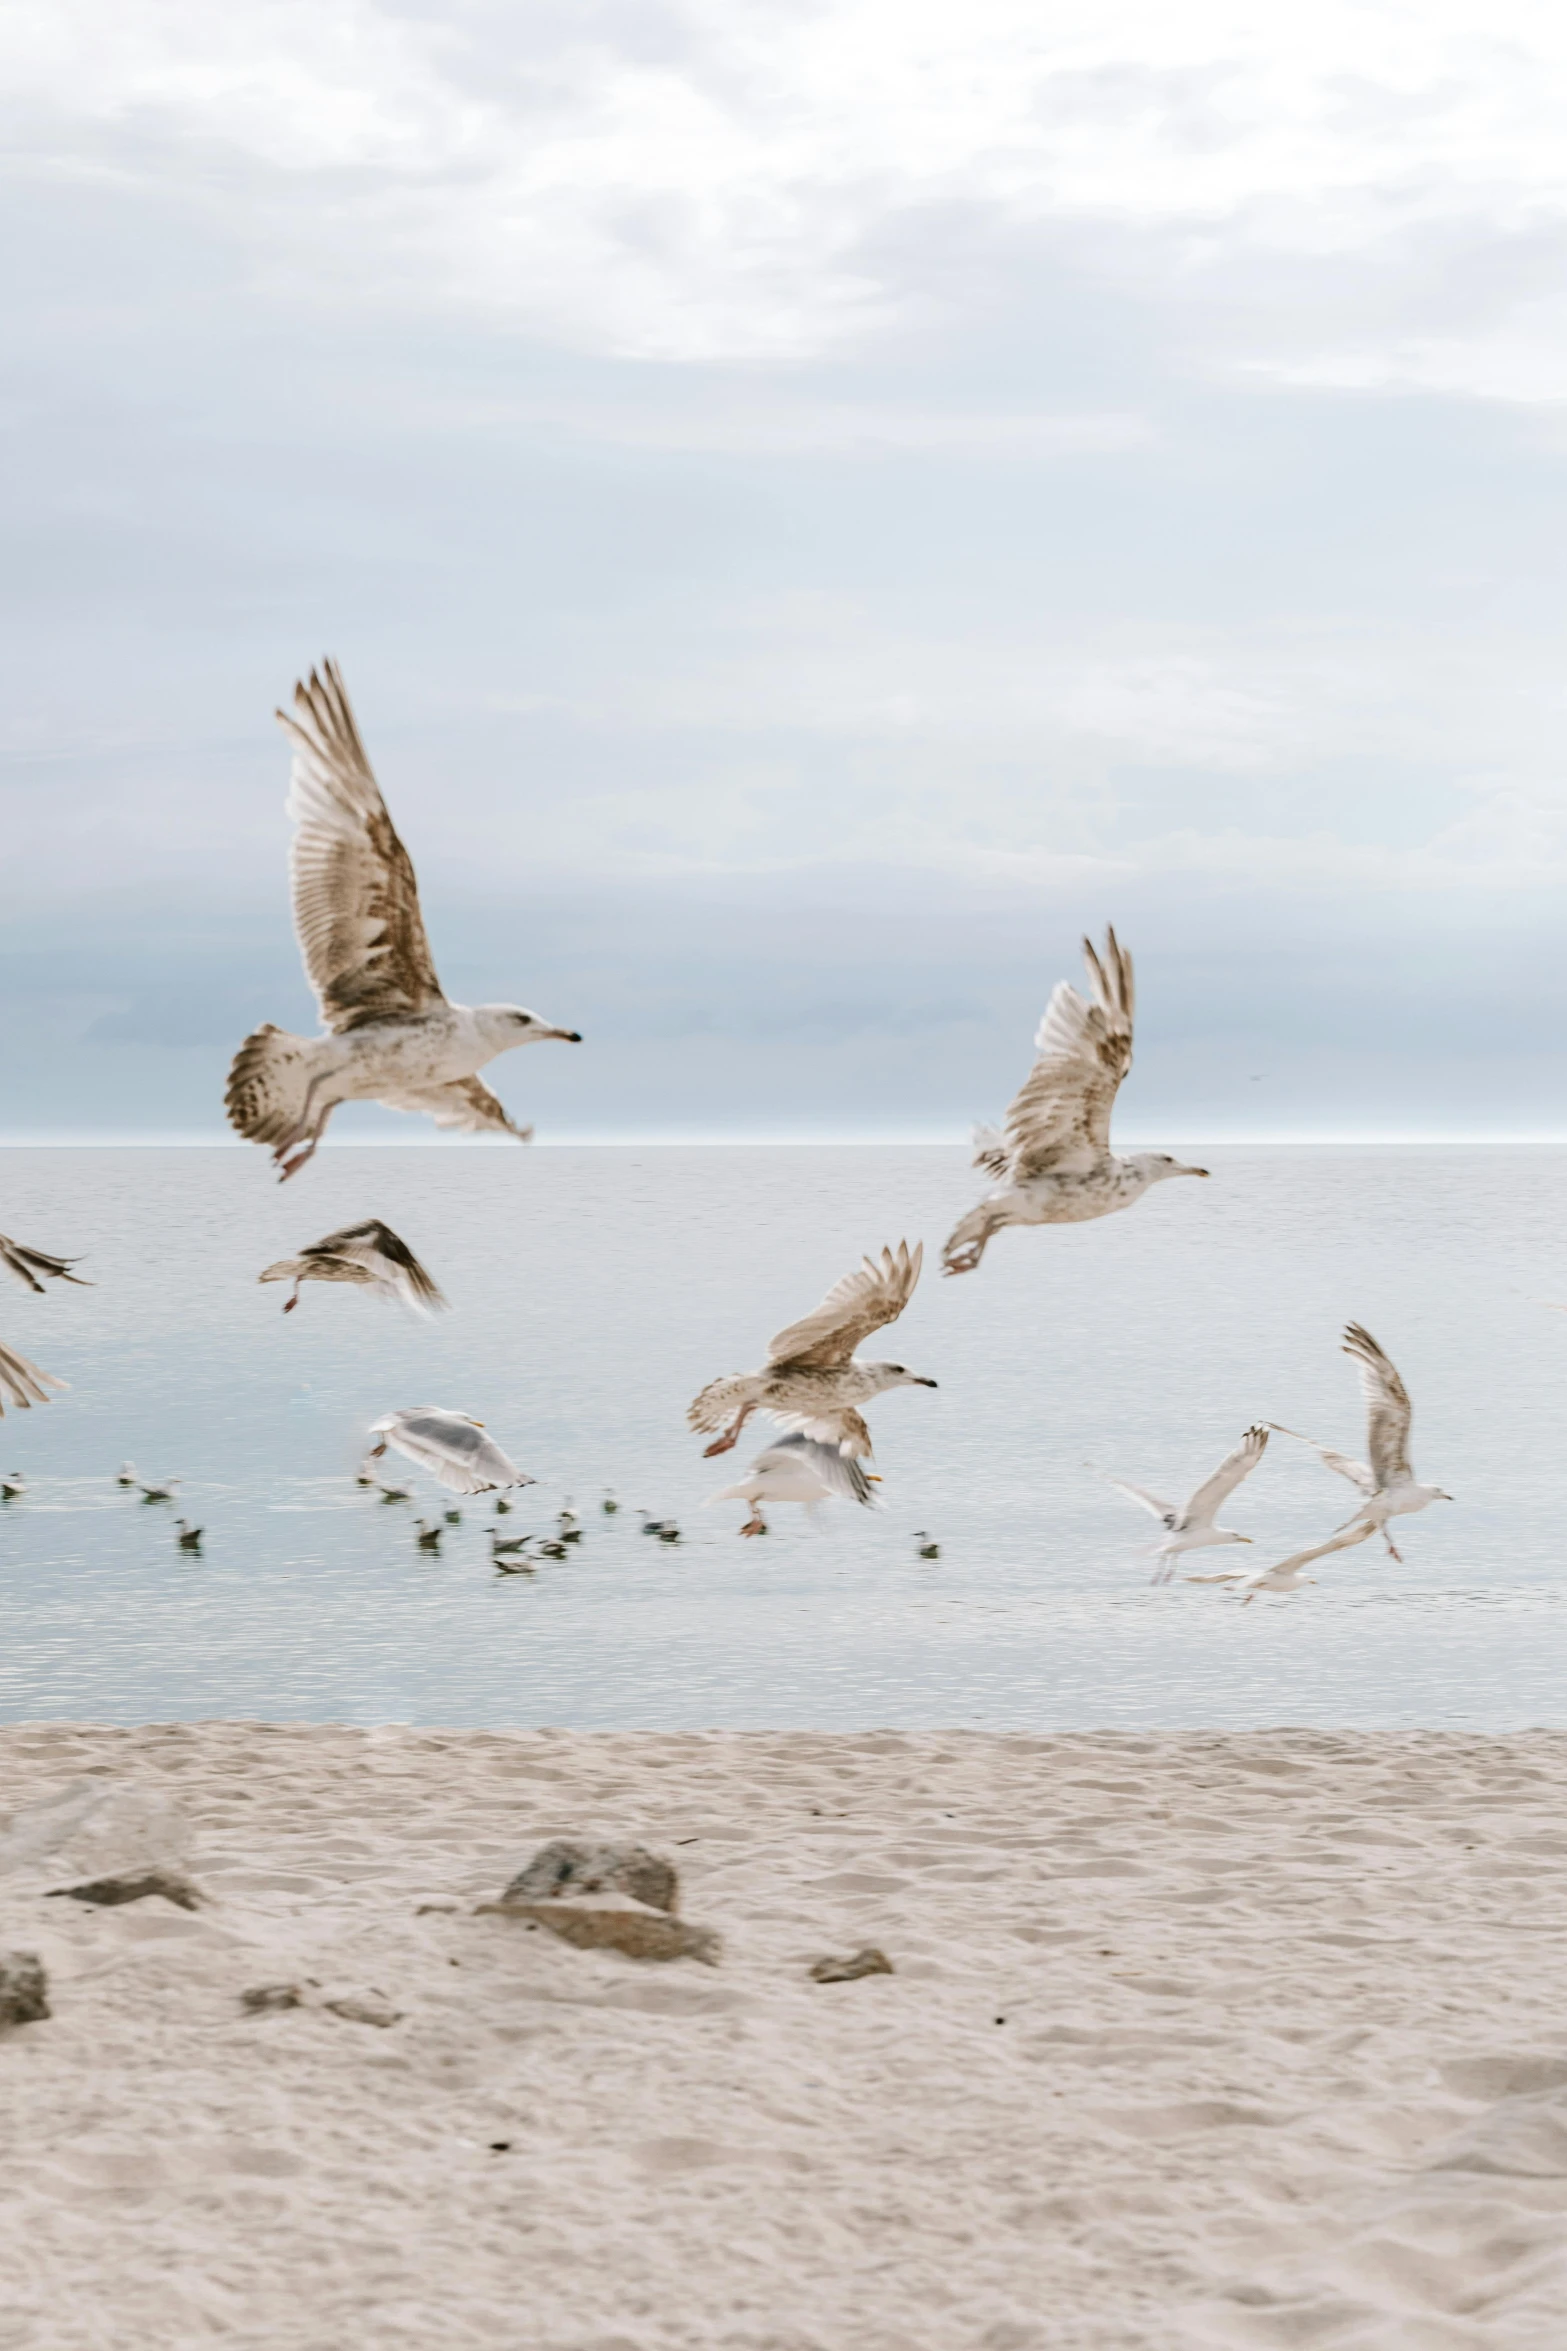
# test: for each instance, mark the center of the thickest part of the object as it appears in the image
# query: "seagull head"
(506, 1025)
(1160, 1166)
(893, 1375)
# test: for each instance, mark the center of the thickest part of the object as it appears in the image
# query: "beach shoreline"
(1208, 2038)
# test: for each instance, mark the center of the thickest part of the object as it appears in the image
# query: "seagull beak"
(919, 1383)
(566, 1036)
(1202, 1171)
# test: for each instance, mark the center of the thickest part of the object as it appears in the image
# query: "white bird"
(452, 1446)
(28, 1264)
(1285, 1576)
(127, 1476)
(797, 1469)
(1052, 1161)
(12, 1484)
(166, 1491)
(369, 1255)
(1189, 1526)
(392, 1036)
(22, 1383)
(809, 1382)
(1388, 1484)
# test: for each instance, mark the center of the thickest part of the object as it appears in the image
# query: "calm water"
(595, 1290)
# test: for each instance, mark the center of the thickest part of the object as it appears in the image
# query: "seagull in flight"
(1285, 1576)
(810, 1382)
(22, 1383)
(391, 1035)
(1189, 1526)
(1387, 1485)
(28, 1264)
(798, 1469)
(452, 1446)
(369, 1254)
(1052, 1161)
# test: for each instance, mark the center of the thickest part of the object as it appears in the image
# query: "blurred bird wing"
(456, 1451)
(1213, 1492)
(22, 1383)
(838, 1472)
(1165, 1512)
(385, 1256)
(864, 1301)
(27, 1264)
(1059, 1119)
(1388, 1409)
(466, 1103)
(356, 901)
(1356, 1471)
(1345, 1540)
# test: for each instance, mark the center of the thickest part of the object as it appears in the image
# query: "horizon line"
(768, 1140)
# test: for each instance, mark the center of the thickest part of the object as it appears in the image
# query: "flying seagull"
(28, 1264)
(1189, 1526)
(1052, 1161)
(392, 1037)
(1285, 1576)
(22, 1383)
(797, 1469)
(809, 1382)
(451, 1446)
(369, 1254)
(1388, 1486)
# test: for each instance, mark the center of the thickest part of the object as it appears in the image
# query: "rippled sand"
(1239, 2040)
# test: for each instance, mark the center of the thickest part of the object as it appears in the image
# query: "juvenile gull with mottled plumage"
(369, 1255)
(392, 1036)
(1387, 1484)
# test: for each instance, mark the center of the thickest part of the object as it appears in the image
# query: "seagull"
(127, 1476)
(1286, 1575)
(927, 1548)
(1388, 1487)
(553, 1550)
(1190, 1526)
(28, 1264)
(190, 1537)
(609, 1505)
(668, 1532)
(429, 1537)
(506, 1546)
(453, 1518)
(391, 1035)
(166, 1492)
(797, 1468)
(369, 1254)
(656, 1526)
(452, 1446)
(364, 1475)
(809, 1381)
(397, 1493)
(12, 1485)
(1052, 1162)
(22, 1383)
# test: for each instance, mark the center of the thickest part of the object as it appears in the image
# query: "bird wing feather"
(1357, 1473)
(22, 1383)
(1059, 1120)
(1388, 1409)
(839, 1472)
(27, 1264)
(1344, 1540)
(1215, 1491)
(455, 1451)
(356, 901)
(1165, 1512)
(846, 1429)
(465, 1103)
(864, 1301)
(384, 1254)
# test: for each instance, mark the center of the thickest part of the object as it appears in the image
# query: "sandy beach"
(1231, 2040)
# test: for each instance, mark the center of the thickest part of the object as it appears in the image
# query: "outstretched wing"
(1059, 1119)
(1356, 1471)
(382, 1252)
(991, 1152)
(1344, 1540)
(466, 1103)
(840, 1473)
(861, 1303)
(356, 902)
(455, 1451)
(847, 1431)
(28, 1264)
(1165, 1512)
(1205, 1504)
(22, 1383)
(1388, 1409)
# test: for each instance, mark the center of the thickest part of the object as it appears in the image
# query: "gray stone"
(639, 1932)
(135, 1886)
(870, 1961)
(565, 1867)
(24, 1988)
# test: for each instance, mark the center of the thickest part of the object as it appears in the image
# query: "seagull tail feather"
(269, 1083)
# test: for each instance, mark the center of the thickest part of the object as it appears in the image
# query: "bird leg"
(1392, 1548)
(756, 1524)
(731, 1436)
(289, 1304)
(288, 1159)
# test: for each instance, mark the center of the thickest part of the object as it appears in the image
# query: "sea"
(594, 1289)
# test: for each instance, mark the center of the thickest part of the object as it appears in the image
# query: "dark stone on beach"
(870, 1961)
(566, 1868)
(24, 1988)
(134, 1886)
(266, 1999)
(617, 1926)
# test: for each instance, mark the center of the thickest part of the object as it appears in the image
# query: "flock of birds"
(392, 1036)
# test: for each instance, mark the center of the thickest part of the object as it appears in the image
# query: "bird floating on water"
(506, 1546)
(1189, 1525)
(11, 1485)
(429, 1537)
(22, 1383)
(609, 1505)
(1285, 1575)
(127, 1476)
(1051, 1159)
(391, 1035)
(167, 1490)
(28, 1264)
(189, 1537)
(452, 1446)
(810, 1382)
(397, 1494)
(1388, 1485)
(369, 1255)
(927, 1549)
(797, 1469)
(553, 1550)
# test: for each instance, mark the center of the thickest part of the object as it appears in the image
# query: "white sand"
(1284, 2058)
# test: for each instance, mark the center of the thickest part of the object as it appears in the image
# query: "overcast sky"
(816, 506)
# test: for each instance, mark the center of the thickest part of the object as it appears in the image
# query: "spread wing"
(1344, 1540)
(28, 1264)
(384, 1254)
(1205, 1504)
(861, 1303)
(839, 1473)
(356, 903)
(1388, 1409)
(1059, 1119)
(466, 1103)
(1356, 1471)
(1165, 1512)
(22, 1383)
(455, 1451)
(846, 1431)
